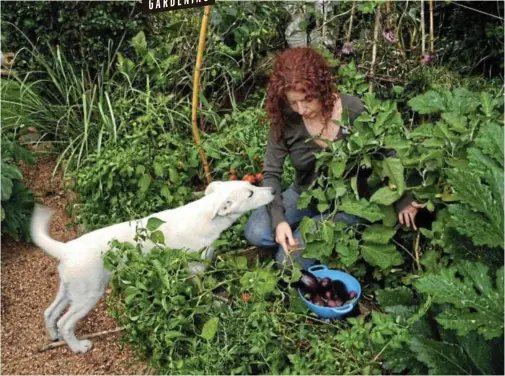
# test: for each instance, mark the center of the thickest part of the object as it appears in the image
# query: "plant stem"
(432, 31)
(374, 48)
(416, 250)
(348, 38)
(196, 89)
(423, 30)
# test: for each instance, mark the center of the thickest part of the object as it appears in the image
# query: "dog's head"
(237, 197)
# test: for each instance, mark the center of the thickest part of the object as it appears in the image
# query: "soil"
(29, 282)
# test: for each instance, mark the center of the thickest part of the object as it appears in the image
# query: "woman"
(301, 104)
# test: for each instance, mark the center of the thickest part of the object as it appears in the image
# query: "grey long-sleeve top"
(294, 143)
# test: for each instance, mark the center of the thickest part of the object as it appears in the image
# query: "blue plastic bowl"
(321, 271)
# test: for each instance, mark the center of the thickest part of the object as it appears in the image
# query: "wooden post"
(432, 32)
(350, 21)
(196, 90)
(374, 48)
(423, 30)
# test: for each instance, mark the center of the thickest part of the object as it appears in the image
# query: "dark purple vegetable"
(338, 302)
(339, 289)
(328, 294)
(307, 282)
(318, 300)
(332, 303)
(325, 283)
(352, 294)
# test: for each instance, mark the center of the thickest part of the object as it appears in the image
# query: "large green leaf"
(385, 196)
(476, 226)
(381, 255)
(378, 233)
(471, 190)
(442, 358)
(491, 141)
(479, 351)
(480, 304)
(390, 297)
(361, 208)
(393, 169)
(348, 254)
(210, 328)
(430, 102)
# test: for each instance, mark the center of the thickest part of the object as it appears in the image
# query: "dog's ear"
(224, 207)
(212, 187)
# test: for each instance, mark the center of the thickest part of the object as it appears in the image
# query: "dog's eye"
(251, 193)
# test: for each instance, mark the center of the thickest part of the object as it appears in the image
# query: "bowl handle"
(315, 268)
(348, 309)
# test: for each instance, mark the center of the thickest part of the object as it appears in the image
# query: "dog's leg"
(54, 311)
(195, 268)
(66, 325)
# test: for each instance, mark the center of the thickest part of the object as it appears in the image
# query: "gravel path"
(29, 282)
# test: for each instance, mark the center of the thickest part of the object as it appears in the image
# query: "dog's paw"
(195, 268)
(53, 334)
(81, 346)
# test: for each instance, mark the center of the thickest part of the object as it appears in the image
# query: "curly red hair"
(299, 69)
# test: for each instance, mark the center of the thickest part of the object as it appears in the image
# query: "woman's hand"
(408, 214)
(284, 237)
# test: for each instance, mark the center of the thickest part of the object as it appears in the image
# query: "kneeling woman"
(302, 104)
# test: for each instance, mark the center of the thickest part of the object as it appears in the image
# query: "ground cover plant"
(118, 115)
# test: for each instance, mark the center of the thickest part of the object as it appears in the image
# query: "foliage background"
(110, 88)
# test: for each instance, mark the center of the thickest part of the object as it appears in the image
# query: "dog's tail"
(39, 230)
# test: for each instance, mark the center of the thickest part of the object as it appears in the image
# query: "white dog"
(83, 276)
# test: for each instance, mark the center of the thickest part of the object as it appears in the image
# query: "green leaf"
(476, 226)
(399, 296)
(144, 182)
(390, 217)
(306, 226)
(153, 223)
(430, 102)
(158, 169)
(317, 249)
(139, 43)
(456, 122)
(348, 254)
(385, 196)
(361, 208)
(6, 189)
(337, 168)
(378, 234)
(393, 169)
(488, 103)
(210, 328)
(381, 255)
(474, 291)
(441, 358)
(479, 351)
(326, 232)
(157, 237)
(470, 189)
(491, 141)
(304, 200)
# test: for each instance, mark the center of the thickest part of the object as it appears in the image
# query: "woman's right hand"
(284, 237)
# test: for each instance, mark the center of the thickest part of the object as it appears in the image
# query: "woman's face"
(304, 104)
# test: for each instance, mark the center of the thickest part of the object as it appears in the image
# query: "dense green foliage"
(111, 88)
(17, 199)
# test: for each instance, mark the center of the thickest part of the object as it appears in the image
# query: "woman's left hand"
(408, 214)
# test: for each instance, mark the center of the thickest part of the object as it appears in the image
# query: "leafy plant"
(156, 177)
(17, 199)
(479, 188)
(478, 304)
